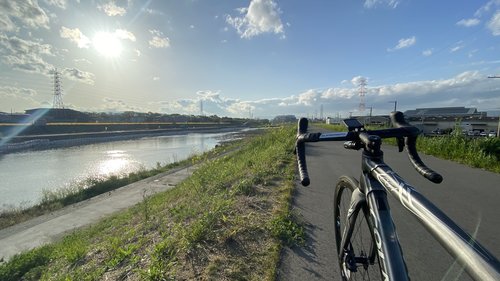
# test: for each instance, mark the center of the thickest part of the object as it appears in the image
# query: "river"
(26, 175)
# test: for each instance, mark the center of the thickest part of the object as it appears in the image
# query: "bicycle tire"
(359, 259)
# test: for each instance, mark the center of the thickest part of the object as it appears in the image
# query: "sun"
(107, 44)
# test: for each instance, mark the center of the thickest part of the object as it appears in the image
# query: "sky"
(258, 58)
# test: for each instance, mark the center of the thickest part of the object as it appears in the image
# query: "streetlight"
(395, 104)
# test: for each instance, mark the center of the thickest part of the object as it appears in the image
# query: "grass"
(60, 198)
(483, 153)
(227, 221)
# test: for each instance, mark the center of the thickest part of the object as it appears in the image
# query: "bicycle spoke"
(355, 259)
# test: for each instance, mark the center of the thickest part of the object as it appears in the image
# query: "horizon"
(258, 58)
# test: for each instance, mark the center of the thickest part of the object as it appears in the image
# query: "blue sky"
(257, 58)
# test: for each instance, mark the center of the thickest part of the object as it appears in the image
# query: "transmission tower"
(58, 102)
(201, 108)
(321, 112)
(362, 91)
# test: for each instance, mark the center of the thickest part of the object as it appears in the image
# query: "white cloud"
(494, 24)
(459, 45)
(78, 75)
(19, 96)
(116, 105)
(153, 12)
(404, 43)
(486, 7)
(25, 55)
(467, 88)
(58, 3)
(427, 52)
(76, 36)
(356, 80)
(468, 22)
(389, 3)
(17, 92)
(158, 40)
(125, 34)
(261, 16)
(111, 9)
(26, 13)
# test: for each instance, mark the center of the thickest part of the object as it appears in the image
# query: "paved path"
(48, 228)
(469, 196)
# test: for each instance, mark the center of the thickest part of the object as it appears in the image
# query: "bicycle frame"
(378, 179)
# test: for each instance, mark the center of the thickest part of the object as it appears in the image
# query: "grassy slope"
(227, 221)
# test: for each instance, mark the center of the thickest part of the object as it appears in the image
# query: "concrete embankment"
(51, 141)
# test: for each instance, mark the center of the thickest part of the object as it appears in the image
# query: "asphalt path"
(471, 197)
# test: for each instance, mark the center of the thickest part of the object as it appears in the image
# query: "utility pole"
(498, 128)
(395, 104)
(362, 92)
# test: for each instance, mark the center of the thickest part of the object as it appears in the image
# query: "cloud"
(75, 36)
(19, 96)
(158, 40)
(494, 24)
(58, 3)
(467, 88)
(404, 43)
(468, 22)
(26, 55)
(459, 45)
(111, 9)
(427, 52)
(116, 105)
(17, 92)
(486, 8)
(373, 3)
(125, 34)
(78, 75)
(153, 12)
(26, 13)
(261, 16)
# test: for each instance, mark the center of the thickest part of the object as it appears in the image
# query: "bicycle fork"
(373, 203)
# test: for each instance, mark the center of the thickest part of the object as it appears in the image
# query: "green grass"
(481, 153)
(60, 198)
(227, 221)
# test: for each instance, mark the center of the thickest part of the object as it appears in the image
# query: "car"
(492, 134)
(483, 134)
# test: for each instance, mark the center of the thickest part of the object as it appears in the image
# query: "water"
(24, 176)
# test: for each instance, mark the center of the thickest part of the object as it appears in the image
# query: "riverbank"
(227, 221)
(53, 141)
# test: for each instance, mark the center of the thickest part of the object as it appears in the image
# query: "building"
(443, 112)
(280, 119)
(446, 119)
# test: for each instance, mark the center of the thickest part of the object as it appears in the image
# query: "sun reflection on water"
(116, 162)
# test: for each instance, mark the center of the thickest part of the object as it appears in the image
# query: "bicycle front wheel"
(358, 253)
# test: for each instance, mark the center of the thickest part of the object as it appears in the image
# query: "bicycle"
(366, 239)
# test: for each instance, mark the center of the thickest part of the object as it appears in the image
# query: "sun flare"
(107, 44)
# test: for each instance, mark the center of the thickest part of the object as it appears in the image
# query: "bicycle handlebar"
(362, 138)
(301, 152)
(411, 147)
